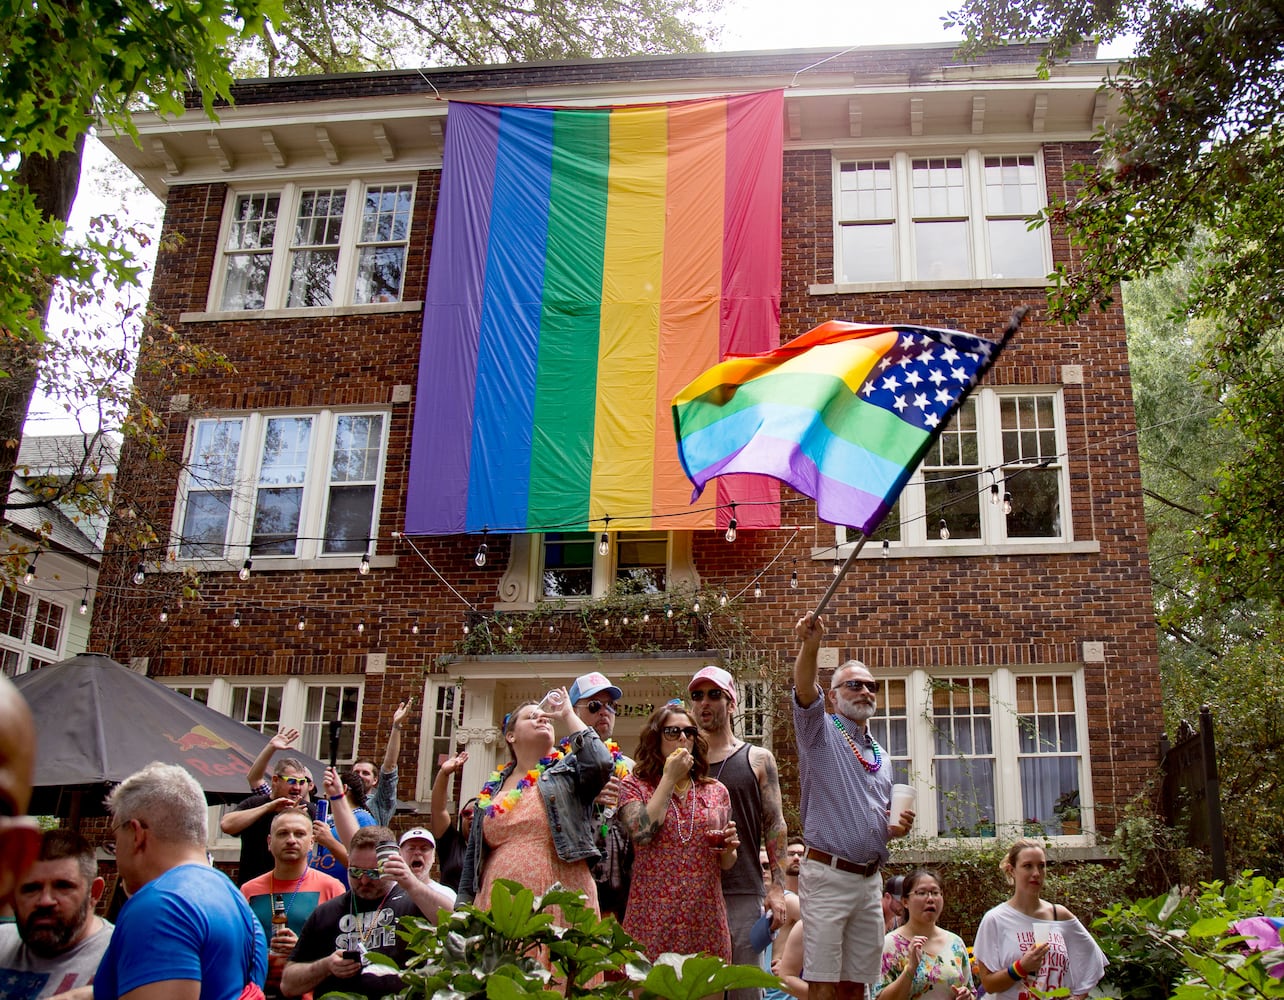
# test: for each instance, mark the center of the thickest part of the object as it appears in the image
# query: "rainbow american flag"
(843, 414)
(586, 264)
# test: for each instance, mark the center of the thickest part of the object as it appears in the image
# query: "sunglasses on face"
(596, 706)
(713, 694)
(297, 782)
(677, 732)
(870, 686)
(374, 873)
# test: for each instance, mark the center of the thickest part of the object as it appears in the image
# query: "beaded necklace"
(289, 901)
(878, 753)
(618, 767)
(673, 804)
(490, 806)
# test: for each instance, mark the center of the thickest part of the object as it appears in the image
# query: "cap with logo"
(418, 833)
(716, 676)
(590, 684)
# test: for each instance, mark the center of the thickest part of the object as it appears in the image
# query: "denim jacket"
(567, 789)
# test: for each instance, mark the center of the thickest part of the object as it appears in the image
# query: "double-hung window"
(292, 485)
(993, 752)
(314, 245)
(996, 475)
(33, 631)
(902, 218)
(581, 564)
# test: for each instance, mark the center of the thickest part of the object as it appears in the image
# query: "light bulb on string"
(757, 590)
(550, 628)
(465, 628)
(722, 601)
(646, 617)
(364, 568)
(84, 603)
(793, 580)
(606, 623)
(624, 620)
(509, 628)
(244, 572)
(140, 575)
(668, 611)
(695, 606)
(414, 627)
(302, 623)
(887, 548)
(361, 627)
(731, 525)
(603, 544)
(31, 569)
(480, 557)
(994, 492)
(945, 531)
(1007, 503)
(164, 615)
(236, 618)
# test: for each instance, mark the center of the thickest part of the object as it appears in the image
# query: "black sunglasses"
(365, 873)
(595, 706)
(674, 732)
(870, 686)
(713, 694)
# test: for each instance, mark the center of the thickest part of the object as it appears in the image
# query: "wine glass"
(715, 831)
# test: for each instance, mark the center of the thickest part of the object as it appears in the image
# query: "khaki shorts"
(842, 924)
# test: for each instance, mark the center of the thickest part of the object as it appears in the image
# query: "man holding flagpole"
(846, 794)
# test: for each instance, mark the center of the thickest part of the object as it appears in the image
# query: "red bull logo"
(199, 738)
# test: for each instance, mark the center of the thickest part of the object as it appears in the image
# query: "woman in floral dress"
(674, 812)
(919, 958)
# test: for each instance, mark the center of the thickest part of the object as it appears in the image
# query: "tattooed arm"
(643, 822)
(773, 828)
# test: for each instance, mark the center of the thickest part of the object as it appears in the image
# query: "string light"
(1007, 503)
(887, 548)
(793, 579)
(625, 620)
(414, 628)
(84, 603)
(244, 572)
(164, 615)
(731, 525)
(994, 492)
(722, 601)
(838, 564)
(668, 611)
(364, 568)
(31, 568)
(236, 618)
(466, 630)
(603, 544)
(646, 617)
(480, 557)
(140, 575)
(945, 531)
(302, 622)
(757, 590)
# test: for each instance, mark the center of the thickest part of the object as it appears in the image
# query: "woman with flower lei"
(533, 822)
(679, 820)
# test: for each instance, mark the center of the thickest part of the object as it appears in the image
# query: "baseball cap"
(717, 677)
(418, 833)
(590, 684)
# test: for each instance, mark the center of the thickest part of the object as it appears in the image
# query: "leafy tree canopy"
(1195, 153)
(331, 36)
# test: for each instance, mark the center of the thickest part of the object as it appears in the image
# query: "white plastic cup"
(551, 702)
(903, 797)
(1042, 931)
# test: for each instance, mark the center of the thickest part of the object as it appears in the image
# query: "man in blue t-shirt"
(185, 933)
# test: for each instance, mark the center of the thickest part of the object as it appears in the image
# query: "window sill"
(925, 286)
(271, 564)
(238, 315)
(874, 550)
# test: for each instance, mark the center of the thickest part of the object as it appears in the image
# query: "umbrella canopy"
(98, 722)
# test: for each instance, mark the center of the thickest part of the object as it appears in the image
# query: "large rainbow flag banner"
(586, 264)
(843, 413)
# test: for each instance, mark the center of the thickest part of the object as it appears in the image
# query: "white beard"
(855, 710)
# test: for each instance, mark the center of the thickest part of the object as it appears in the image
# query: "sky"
(747, 24)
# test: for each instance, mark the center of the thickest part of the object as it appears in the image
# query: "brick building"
(1006, 603)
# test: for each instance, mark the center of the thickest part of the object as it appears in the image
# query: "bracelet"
(335, 798)
(1020, 968)
(1016, 976)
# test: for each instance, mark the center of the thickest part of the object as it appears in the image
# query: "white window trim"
(25, 647)
(277, 291)
(294, 702)
(1009, 818)
(309, 554)
(903, 238)
(521, 587)
(918, 525)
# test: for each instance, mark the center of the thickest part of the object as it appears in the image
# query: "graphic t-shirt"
(325, 862)
(26, 976)
(1073, 959)
(350, 923)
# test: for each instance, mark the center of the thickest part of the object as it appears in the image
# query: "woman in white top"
(1028, 943)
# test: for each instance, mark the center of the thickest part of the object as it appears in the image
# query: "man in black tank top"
(750, 774)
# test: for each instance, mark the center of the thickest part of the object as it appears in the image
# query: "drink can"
(323, 810)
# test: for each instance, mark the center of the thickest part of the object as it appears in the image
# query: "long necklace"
(673, 804)
(489, 806)
(289, 902)
(878, 753)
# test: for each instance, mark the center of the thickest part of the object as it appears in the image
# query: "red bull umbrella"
(98, 722)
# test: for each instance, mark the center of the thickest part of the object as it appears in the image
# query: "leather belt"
(842, 864)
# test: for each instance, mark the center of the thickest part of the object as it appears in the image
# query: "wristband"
(335, 798)
(1016, 977)
(1020, 968)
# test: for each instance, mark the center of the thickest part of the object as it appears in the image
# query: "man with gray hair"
(185, 933)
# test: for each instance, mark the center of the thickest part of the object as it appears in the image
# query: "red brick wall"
(947, 611)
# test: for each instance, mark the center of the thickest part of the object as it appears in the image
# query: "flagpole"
(842, 572)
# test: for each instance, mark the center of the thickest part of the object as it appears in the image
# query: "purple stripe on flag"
(836, 501)
(437, 494)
